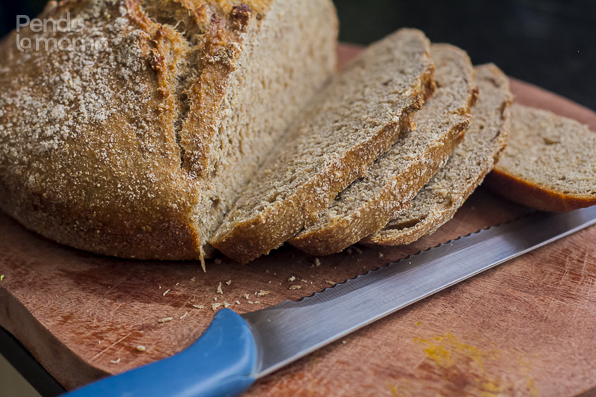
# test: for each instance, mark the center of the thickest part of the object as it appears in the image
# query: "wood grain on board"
(525, 328)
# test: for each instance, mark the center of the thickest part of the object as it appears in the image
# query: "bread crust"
(118, 152)
(488, 133)
(244, 239)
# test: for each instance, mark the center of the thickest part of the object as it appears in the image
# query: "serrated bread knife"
(238, 349)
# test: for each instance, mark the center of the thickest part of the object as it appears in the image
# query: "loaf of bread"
(549, 164)
(137, 147)
(441, 197)
(358, 117)
(394, 179)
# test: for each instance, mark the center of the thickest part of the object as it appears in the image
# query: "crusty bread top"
(469, 163)
(107, 150)
(358, 116)
(549, 164)
(393, 180)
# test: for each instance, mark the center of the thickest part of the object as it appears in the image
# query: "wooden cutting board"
(526, 328)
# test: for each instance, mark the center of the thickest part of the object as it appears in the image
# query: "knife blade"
(238, 349)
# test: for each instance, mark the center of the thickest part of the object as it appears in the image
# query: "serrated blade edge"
(291, 330)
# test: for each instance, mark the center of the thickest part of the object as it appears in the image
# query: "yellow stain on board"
(462, 366)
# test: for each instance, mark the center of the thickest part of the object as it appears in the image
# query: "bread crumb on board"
(192, 280)
(215, 306)
(184, 315)
(261, 293)
(295, 286)
(198, 306)
(317, 262)
(165, 320)
(164, 294)
(219, 290)
(332, 283)
(380, 255)
(229, 282)
(292, 279)
(2, 277)
(141, 348)
(115, 361)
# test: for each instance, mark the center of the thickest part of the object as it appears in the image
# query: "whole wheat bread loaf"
(549, 164)
(357, 117)
(395, 178)
(439, 199)
(138, 148)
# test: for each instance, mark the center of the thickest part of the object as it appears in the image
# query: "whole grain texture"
(439, 199)
(394, 179)
(357, 117)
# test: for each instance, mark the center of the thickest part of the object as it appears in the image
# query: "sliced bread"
(549, 164)
(356, 118)
(469, 163)
(395, 178)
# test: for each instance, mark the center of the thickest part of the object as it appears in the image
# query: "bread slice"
(357, 117)
(550, 163)
(138, 149)
(469, 163)
(391, 183)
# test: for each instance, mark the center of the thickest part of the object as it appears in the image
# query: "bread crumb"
(250, 302)
(304, 281)
(115, 361)
(215, 298)
(184, 315)
(261, 293)
(317, 262)
(141, 348)
(257, 302)
(237, 302)
(295, 287)
(246, 296)
(198, 306)
(2, 277)
(202, 258)
(165, 320)
(192, 280)
(228, 282)
(358, 250)
(292, 279)
(215, 306)
(164, 294)
(217, 261)
(380, 254)
(177, 284)
(344, 342)
(330, 282)
(219, 290)
(159, 286)
(226, 305)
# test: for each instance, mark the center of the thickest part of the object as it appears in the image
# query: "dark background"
(551, 43)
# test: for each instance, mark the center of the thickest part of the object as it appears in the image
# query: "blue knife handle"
(222, 362)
